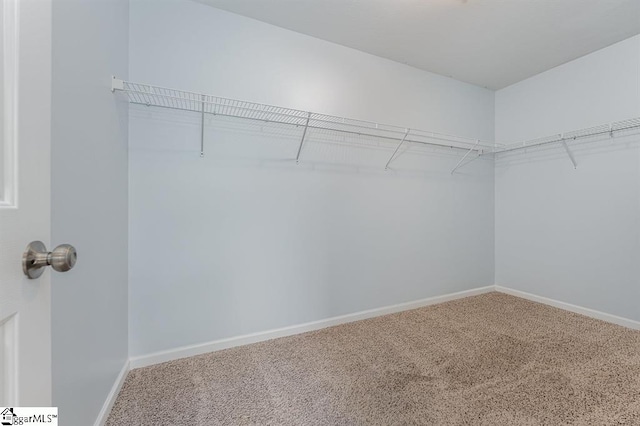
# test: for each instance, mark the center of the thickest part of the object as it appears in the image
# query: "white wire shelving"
(568, 139)
(145, 94)
(156, 96)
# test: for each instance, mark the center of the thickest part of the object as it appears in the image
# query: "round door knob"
(36, 257)
(63, 258)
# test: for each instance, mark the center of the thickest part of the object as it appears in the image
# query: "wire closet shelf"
(156, 96)
(149, 95)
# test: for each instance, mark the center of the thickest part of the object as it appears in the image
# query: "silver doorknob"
(36, 257)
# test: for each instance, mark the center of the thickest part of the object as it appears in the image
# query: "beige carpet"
(485, 360)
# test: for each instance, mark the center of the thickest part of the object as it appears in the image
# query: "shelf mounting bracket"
(304, 133)
(393, 156)
(202, 128)
(464, 157)
(569, 153)
(116, 84)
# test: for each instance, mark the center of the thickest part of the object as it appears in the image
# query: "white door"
(25, 140)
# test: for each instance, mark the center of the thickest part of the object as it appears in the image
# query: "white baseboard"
(187, 351)
(111, 397)
(625, 322)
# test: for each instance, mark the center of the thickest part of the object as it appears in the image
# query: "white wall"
(89, 204)
(572, 235)
(244, 240)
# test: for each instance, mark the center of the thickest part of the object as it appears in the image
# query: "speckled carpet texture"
(491, 359)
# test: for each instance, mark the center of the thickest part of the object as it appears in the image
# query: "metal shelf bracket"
(464, 157)
(569, 153)
(393, 156)
(202, 128)
(116, 84)
(304, 133)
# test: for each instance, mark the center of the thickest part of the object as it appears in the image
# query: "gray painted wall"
(572, 235)
(89, 204)
(244, 240)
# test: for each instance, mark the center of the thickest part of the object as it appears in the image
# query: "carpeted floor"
(485, 360)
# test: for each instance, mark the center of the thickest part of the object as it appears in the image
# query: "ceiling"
(490, 43)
